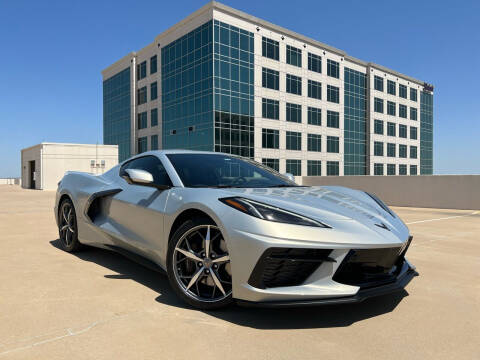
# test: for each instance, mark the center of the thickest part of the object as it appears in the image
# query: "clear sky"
(52, 53)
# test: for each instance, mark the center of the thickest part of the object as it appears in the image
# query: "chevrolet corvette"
(226, 228)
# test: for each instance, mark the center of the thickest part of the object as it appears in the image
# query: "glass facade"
(426, 133)
(187, 91)
(117, 112)
(233, 89)
(355, 122)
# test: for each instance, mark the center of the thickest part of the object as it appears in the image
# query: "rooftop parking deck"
(99, 305)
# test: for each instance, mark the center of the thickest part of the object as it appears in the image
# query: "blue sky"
(53, 52)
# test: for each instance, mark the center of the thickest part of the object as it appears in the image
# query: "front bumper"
(401, 281)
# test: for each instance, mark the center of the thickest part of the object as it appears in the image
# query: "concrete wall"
(10, 181)
(437, 191)
(52, 160)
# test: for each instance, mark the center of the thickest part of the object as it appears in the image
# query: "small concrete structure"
(427, 191)
(43, 165)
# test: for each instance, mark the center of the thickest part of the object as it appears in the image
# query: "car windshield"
(220, 170)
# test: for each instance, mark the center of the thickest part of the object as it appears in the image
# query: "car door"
(138, 210)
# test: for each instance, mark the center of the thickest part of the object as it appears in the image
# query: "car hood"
(327, 204)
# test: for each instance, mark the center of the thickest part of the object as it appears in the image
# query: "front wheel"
(198, 265)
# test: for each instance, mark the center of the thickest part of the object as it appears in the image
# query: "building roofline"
(215, 5)
(129, 56)
(69, 144)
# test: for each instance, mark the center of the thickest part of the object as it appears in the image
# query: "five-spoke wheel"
(67, 226)
(199, 265)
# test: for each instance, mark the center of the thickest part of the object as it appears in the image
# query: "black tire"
(171, 272)
(67, 227)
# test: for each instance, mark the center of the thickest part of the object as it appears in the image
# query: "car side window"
(151, 164)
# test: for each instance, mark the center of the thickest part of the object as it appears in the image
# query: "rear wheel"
(67, 226)
(198, 265)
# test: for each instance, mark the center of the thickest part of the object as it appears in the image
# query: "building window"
(413, 94)
(314, 168)
(314, 89)
(294, 113)
(153, 64)
(378, 127)
(314, 116)
(333, 168)
(333, 94)
(413, 152)
(333, 144)
(333, 68)
(294, 140)
(402, 151)
(391, 150)
(402, 131)
(402, 111)
(378, 148)
(270, 109)
(294, 56)
(142, 70)
(270, 139)
(333, 119)
(391, 87)
(142, 120)
(270, 79)
(153, 91)
(378, 105)
(154, 117)
(314, 63)
(142, 144)
(402, 92)
(142, 95)
(271, 163)
(413, 113)
(413, 169)
(390, 169)
(294, 167)
(378, 83)
(391, 129)
(154, 142)
(314, 142)
(270, 48)
(391, 108)
(413, 133)
(294, 84)
(378, 169)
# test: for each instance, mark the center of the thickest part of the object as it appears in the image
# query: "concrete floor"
(99, 305)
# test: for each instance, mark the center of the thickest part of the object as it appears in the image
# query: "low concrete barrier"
(10, 181)
(435, 191)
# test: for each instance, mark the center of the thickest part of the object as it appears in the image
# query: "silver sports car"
(226, 228)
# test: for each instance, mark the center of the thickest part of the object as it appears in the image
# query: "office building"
(223, 80)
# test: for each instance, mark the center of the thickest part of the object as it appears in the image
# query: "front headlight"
(270, 213)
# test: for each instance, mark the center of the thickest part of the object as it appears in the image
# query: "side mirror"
(289, 177)
(137, 176)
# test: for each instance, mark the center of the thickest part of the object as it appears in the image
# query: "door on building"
(32, 174)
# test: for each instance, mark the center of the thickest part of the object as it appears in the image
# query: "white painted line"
(444, 218)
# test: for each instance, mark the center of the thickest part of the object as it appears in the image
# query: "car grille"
(287, 266)
(371, 267)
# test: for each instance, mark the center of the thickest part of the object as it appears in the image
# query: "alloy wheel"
(202, 264)
(67, 224)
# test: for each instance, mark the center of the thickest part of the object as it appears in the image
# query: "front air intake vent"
(287, 266)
